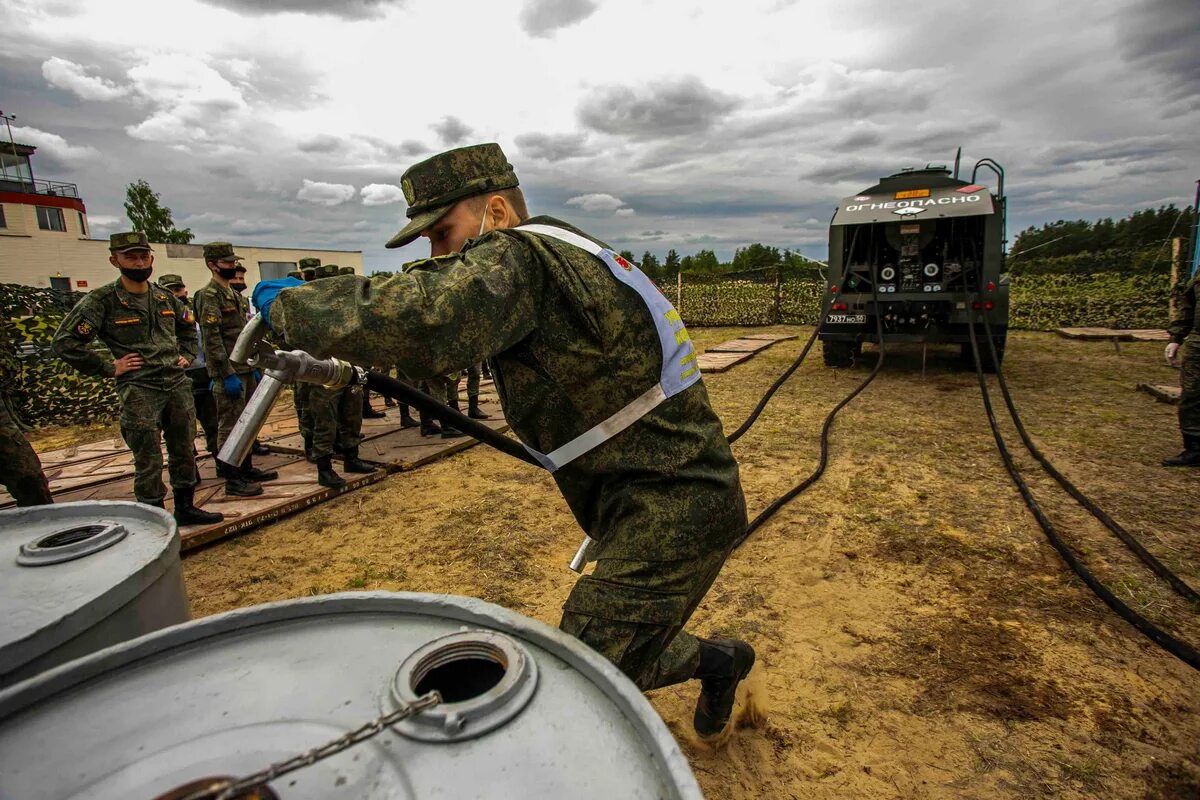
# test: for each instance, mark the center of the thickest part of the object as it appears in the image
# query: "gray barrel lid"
(65, 567)
(231, 694)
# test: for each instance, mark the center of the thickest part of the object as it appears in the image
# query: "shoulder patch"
(211, 319)
(84, 329)
(187, 315)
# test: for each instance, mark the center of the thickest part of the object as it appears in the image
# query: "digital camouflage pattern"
(20, 469)
(149, 417)
(308, 263)
(170, 281)
(1185, 329)
(154, 325)
(346, 271)
(220, 251)
(569, 346)
(156, 400)
(434, 185)
(128, 240)
(222, 314)
(335, 416)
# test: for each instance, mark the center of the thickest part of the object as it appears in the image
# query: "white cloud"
(540, 18)
(624, 212)
(193, 102)
(72, 77)
(54, 147)
(381, 194)
(98, 222)
(596, 202)
(325, 194)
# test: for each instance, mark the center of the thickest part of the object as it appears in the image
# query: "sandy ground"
(917, 635)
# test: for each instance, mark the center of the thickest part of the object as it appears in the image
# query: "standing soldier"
(1185, 328)
(473, 375)
(300, 391)
(197, 372)
(367, 411)
(597, 376)
(335, 416)
(20, 468)
(238, 284)
(222, 313)
(152, 337)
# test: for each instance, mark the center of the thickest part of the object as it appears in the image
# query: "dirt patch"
(916, 635)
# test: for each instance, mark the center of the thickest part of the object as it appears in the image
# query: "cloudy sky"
(651, 123)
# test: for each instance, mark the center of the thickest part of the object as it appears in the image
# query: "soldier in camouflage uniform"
(1185, 329)
(152, 337)
(596, 375)
(197, 372)
(238, 284)
(336, 419)
(307, 272)
(222, 314)
(473, 376)
(20, 468)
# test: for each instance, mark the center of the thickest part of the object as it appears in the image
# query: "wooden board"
(1161, 392)
(720, 362)
(773, 337)
(1109, 334)
(407, 449)
(740, 346)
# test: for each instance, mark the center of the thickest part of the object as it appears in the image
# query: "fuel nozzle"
(279, 368)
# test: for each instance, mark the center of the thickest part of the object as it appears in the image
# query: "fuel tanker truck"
(913, 258)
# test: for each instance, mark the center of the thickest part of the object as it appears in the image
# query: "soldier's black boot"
(448, 430)
(325, 474)
(429, 426)
(186, 513)
(389, 402)
(368, 412)
(724, 663)
(1190, 457)
(259, 449)
(352, 463)
(406, 420)
(255, 474)
(308, 453)
(473, 409)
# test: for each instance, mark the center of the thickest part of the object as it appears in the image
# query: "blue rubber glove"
(258, 376)
(265, 293)
(232, 385)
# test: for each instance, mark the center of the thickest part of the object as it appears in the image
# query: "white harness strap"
(679, 367)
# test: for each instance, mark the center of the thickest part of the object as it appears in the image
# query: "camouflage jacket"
(1187, 312)
(155, 325)
(569, 346)
(222, 314)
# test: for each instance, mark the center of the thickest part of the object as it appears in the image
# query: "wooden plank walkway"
(727, 355)
(1114, 334)
(1163, 393)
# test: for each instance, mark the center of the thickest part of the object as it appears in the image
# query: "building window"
(51, 219)
(270, 270)
(82, 224)
(60, 284)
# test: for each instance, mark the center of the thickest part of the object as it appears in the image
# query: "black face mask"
(227, 274)
(137, 275)
(238, 287)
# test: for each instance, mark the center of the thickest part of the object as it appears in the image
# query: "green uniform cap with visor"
(129, 240)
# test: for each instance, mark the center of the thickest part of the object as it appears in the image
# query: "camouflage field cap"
(170, 281)
(297, 274)
(326, 271)
(433, 186)
(130, 240)
(310, 274)
(306, 263)
(220, 251)
(240, 269)
(346, 271)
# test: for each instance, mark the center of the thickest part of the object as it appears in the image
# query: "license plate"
(847, 319)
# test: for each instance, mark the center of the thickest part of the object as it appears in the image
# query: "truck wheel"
(838, 354)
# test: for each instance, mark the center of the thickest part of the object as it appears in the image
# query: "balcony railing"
(12, 183)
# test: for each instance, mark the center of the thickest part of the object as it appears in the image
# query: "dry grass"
(917, 636)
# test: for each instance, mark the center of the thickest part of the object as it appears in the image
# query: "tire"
(838, 354)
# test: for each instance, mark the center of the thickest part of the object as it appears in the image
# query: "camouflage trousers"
(206, 407)
(1189, 381)
(336, 417)
(229, 408)
(148, 417)
(300, 400)
(20, 469)
(441, 387)
(474, 373)
(633, 613)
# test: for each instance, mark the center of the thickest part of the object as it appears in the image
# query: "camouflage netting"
(42, 387)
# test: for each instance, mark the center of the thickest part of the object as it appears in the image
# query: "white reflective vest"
(679, 368)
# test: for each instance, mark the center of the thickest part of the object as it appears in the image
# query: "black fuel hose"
(823, 460)
(1146, 557)
(1175, 647)
(404, 393)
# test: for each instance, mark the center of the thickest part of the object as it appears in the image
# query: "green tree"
(671, 265)
(706, 262)
(628, 256)
(649, 264)
(151, 217)
(756, 256)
